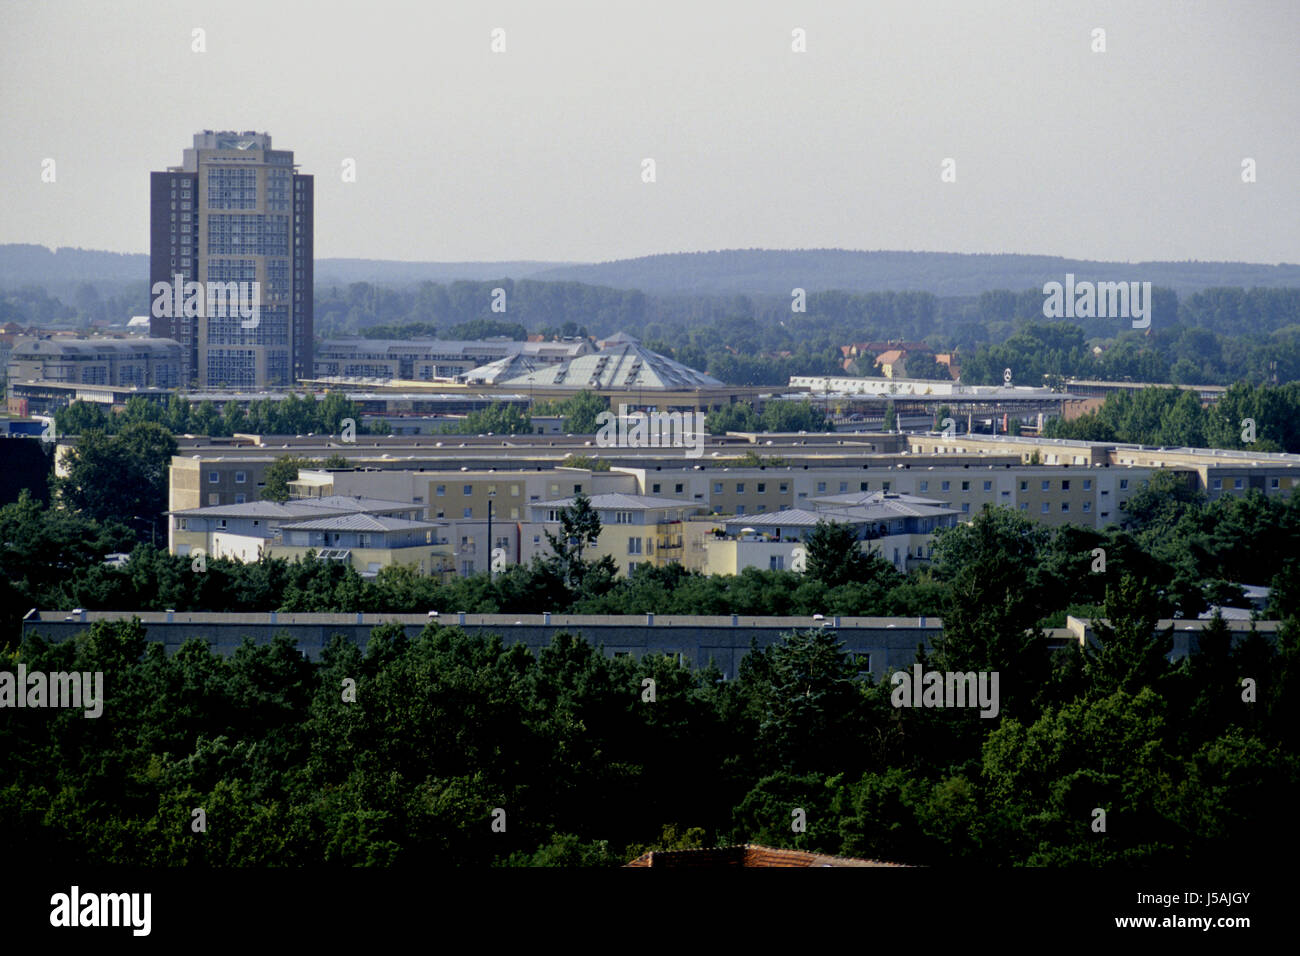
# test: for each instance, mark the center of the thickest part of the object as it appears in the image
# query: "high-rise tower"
(235, 211)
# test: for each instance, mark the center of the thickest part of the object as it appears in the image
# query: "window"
(679, 488)
(776, 562)
(239, 500)
(469, 490)
(1236, 484)
(221, 523)
(514, 491)
(965, 507)
(633, 545)
(886, 486)
(469, 512)
(1065, 506)
(925, 486)
(821, 486)
(1024, 506)
(740, 509)
(1273, 483)
(740, 487)
(945, 485)
(988, 486)
(1065, 484)
(1024, 486)
(213, 478)
(1218, 484)
(844, 486)
(654, 489)
(440, 490)
(784, 487)
(965, 486)
(717, 487)
(240, 477)
(1123, 484)
(1087, 484)
(864, 486)
(577, 489)
(1087, 507)
(1046, 507)
(762, 488)
(1047, 486)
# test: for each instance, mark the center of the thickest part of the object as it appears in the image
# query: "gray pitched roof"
(298, 507)
(358, 522)
(621, 366)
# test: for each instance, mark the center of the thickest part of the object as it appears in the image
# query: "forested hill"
(941, 273)
(748, 271)
(22, 264)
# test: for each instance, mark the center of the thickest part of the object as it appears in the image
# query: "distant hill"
(23, 263)
(728, 272)
(344, 271)
(747, 271)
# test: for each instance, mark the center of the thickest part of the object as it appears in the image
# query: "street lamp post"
(491, 569)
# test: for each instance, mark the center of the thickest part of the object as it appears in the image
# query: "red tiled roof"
(748, 854)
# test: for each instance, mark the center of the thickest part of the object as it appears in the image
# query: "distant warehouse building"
(110, 362)
(424, 360)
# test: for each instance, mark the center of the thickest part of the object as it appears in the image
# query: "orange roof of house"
(890, 357)
(748, 854)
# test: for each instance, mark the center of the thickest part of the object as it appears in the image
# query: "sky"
(462, 153)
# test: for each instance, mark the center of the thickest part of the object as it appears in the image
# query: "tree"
(80, 417)
(279, 473)
(781, 416)
(498, 418)
(118, 478)
(579, 529)
(1131, 653)
(580, 413)
(891, 418)
(923, 365)
(834, 555)
(1162, 503)
(149, 448)
(738, 417)
(585, 461)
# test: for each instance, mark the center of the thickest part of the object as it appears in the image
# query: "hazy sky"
(536, 153)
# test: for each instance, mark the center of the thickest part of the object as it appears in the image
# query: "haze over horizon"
(535, 153)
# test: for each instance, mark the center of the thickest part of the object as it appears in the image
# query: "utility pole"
(491, 546)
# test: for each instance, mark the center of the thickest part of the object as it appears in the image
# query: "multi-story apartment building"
(366, 533)
(456, 481)
(234, 211)
(634, 529)
(898, 528)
